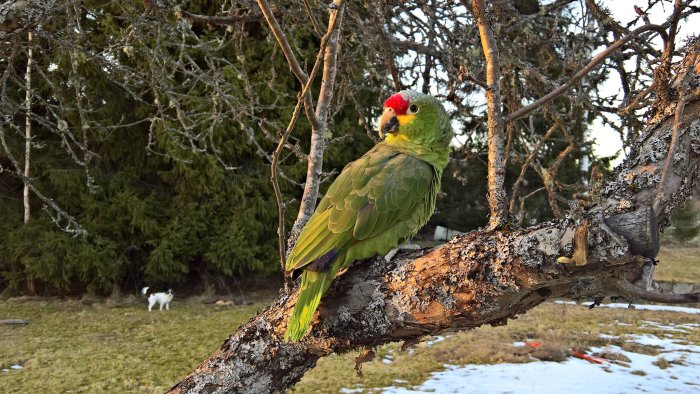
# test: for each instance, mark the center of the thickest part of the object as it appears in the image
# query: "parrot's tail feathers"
(313, 286)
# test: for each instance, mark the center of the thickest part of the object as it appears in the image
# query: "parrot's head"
(415, 118)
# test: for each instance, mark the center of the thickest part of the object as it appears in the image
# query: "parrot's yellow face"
(410, 116)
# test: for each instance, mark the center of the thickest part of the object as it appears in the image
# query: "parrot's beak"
(388, 124)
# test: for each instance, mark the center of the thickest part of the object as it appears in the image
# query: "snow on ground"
(436, 339)
(12, 367)
(668, 308)
(642, 307)
(681, 373)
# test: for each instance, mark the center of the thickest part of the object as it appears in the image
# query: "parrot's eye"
(413, 109)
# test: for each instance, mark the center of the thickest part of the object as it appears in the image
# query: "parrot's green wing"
(376, 201)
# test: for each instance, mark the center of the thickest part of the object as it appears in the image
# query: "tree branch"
(275, 156)
(228, 19)
(584, 71)
(318, 139)
(497, 197)
(633, 293)
(291, 59)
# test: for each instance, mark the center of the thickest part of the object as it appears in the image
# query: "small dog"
(160, 297)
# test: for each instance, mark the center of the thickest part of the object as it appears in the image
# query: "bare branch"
(526, 164)
(228, 19)
(312, 18)
(584, 71)
(634, 293)
(329, 68)
(291, 59)
(318, 139)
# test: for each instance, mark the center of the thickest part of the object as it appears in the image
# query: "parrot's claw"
(393, 252)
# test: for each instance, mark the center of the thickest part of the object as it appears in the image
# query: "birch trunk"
(31, 286)
(318, 135)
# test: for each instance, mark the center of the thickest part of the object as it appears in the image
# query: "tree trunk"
(498, 206)
(31, 286)
(483, 277)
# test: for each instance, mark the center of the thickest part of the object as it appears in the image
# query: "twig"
(291, 59)
(663, 72)
(228, 19)
(498, 204)
(466, 74)
(310, 13)
(635, 101)
(585, 70)
(526, 164)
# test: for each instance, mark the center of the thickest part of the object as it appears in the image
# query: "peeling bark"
(483, 277)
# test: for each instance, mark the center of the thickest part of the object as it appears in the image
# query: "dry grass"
(71, 347)
(678, 263)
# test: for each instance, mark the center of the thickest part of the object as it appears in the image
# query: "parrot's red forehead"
(398, 103)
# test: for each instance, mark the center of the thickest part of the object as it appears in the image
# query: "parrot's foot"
(393, 252)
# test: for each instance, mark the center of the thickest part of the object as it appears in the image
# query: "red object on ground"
(588, 358)
(533, 344)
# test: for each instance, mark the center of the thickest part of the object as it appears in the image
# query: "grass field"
(119, 347)
(678, 263)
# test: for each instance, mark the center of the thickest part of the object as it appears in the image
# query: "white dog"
(160, 297)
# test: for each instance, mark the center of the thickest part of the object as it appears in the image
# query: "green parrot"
(377, 201)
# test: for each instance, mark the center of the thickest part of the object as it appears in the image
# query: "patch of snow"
(388, 359)
(607, 336)
(358, 389)
(667, 308)
(670, 327)
(641, 307)
(436, 339)
(14, 367)
(518, 344)
(682, 375)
